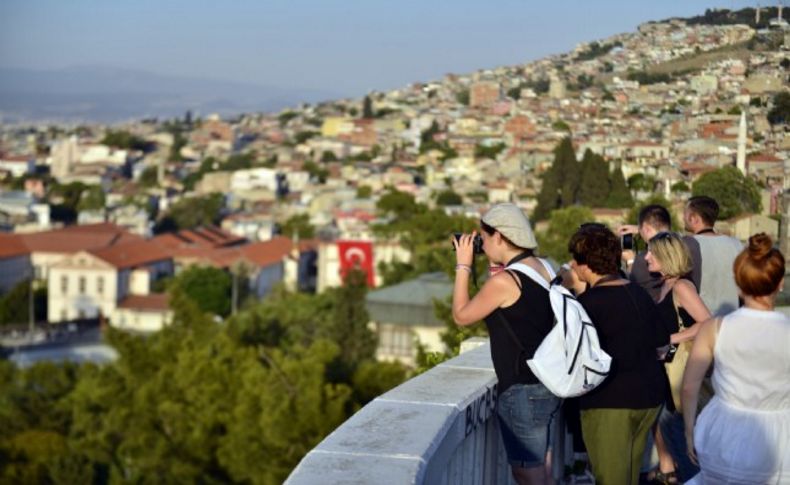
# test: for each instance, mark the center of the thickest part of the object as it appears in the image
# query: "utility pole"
(31, 309)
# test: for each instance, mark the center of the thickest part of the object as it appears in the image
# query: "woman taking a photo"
(743, 434)
(618, 414)
(513, 307)
(681, 308)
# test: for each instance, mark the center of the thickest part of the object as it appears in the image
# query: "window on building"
(63, 314)
(82, 285)
(395, 340)
(64, 284)
(81, 314)
(100, 285)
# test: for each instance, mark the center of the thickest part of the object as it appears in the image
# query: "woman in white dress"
(743, 434)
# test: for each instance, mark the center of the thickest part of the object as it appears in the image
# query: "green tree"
(619, 195)
(149, 177)
(15, 304)
(367, 108)
(209, 288)
(735, 193)
(298, 225)
(594, 180)
(560, 182)
(400, 205)
(642, 182)
(92, 198)
(484, 151)
(348, 324)
(315, 171)
(364, 192)
(560, 125)
(563, 223)
(192, 212)
(328, 156)
(124, 140)
(680, 187)
(462, 97)
(780, 111)
(448, 197)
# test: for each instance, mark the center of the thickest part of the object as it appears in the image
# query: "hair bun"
(760, 246)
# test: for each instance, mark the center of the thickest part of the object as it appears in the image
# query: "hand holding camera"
(466, 246)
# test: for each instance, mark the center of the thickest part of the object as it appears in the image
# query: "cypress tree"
(367, 108)
(560, 182)
(619, 195)
(594, 180)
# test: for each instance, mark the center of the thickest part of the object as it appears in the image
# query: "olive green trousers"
(615, 441)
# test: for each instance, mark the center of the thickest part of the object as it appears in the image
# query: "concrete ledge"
(409, 434)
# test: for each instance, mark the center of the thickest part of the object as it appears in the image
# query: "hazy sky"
(348, 47)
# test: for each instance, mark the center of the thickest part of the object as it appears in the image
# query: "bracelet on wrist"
(465, 267)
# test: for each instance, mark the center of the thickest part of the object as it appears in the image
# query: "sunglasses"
(661, 236)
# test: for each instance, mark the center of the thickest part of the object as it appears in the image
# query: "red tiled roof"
(764, 158)
(259, 254)
(206, 237)
(72, 239)
(12, 246)
(154, 301)
(132, 254)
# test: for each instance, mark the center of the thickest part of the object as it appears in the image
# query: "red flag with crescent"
(356, 254)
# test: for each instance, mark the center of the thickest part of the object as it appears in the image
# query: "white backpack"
(570, 361)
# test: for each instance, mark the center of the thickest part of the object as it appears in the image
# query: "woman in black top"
(617, 415)
(525, 407)
(680, 308)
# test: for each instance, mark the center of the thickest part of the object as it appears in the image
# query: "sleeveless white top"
(743, 434)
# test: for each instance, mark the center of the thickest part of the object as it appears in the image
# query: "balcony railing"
(438, 428)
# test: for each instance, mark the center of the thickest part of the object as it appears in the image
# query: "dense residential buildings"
(667, 103)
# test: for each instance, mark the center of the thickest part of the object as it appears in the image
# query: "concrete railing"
(438, 428)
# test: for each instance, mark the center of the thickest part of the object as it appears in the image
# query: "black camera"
(477, 243)
(628, 241)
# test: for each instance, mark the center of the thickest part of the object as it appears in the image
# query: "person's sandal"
(668, 478)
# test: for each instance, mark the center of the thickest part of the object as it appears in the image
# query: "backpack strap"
(534, 275)
(538, 278)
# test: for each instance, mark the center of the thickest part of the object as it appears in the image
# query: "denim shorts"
(526, 415)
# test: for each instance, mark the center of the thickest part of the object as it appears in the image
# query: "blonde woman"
(682, 310)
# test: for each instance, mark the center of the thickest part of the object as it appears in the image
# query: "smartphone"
(628, 241)
(671, 354)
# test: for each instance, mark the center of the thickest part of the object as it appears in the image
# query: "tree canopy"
(198, 402)
(192, 212)
(735, 193)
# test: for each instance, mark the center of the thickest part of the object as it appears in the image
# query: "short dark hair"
(656, 216)
(705, 207)
(598, 248)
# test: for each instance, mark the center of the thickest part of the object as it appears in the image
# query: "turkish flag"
(356, 255)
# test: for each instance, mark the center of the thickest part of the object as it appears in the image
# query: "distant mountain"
(107, 94)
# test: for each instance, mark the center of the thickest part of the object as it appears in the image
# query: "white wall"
(140, 320)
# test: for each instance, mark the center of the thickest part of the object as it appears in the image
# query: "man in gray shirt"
(717, 254)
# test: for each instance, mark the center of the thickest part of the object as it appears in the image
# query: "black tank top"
(531, 319)
(669, 316)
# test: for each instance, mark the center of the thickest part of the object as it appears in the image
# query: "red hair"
(760, 267)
